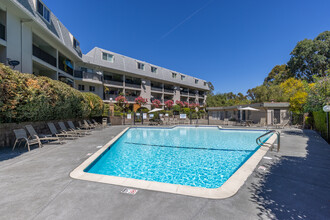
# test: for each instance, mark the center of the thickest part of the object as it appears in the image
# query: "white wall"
(19, 43)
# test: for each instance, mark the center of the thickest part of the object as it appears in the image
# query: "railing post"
(134, 118)
(208, 118)
(190, 117)
(124, 118)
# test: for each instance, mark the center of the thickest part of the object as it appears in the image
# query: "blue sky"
(233, 44)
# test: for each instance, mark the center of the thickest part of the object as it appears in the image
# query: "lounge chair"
(21, 135)
(73, 128)
(66, 131)
(89, 124)
(54, 132)
(42, 137)
(83, 126)
(97, 125)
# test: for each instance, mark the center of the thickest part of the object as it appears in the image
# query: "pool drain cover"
(129, 191)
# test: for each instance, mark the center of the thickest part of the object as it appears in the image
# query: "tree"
(277, 75)
(294, 91)
(318, 94)
(211, 87)
(311, 57)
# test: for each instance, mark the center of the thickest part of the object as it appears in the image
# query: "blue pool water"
(194, 156)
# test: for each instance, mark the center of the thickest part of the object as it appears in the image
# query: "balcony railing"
(112, 82)
(85, 75)
(131, 98)
(201, 95)
(108, 96)
(67, 69)
(168, 90)
(37, 52)
(184, 93)
(154, 88)
(2, 32)
(133, 85)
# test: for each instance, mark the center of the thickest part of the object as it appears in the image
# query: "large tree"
(311, 57)
(278, 74)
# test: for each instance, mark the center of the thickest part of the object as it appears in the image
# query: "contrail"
(185, 20)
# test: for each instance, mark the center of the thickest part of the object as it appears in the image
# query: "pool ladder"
(260, 143)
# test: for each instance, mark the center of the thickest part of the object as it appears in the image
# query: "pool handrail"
(260, 143)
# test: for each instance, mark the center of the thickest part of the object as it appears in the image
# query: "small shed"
(266, 113)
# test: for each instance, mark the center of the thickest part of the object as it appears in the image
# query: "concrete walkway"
(36, 185)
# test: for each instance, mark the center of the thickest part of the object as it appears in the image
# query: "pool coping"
(228, 189)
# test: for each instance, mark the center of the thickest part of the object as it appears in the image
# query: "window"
(107, 57)
(92, 88)
(140, 66)
(182, 77)
(174, 75)
(43, 11)
(196, 81)
(76, 44)
(153, 69)
(81, 87)
(204, 83)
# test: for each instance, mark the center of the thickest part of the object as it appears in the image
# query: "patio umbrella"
(155, 110)
(249, 108)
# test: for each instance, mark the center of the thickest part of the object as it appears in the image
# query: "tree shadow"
(7, 153)
(295, 187)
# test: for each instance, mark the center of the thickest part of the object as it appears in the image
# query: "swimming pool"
(204, 157)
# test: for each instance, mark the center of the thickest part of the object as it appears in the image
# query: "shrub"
(320, 122)
(95, 104)
(176, 108)
(106, 110)
(25, 97)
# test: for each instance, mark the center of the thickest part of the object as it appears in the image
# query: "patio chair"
(97, 124)
(73, 128)
(83, 126)
(66, 131)
(21, 135)
(42, 137)
(55, 133)
(89, 124)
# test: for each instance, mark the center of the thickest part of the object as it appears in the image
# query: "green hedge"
(320, 122)
(25, 97)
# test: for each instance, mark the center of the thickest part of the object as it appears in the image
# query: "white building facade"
(31, 34)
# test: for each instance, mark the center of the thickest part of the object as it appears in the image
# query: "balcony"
(114, 83)
(111, 96)
(85, 75)
(131, 98)
(133, 85)
(67, 69)
(201, 95)
(2, 32)
(184, 93)
(157, 89)
(168, 90)
(37, 52)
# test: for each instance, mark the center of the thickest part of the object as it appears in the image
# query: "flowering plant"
(186, 104)
(179, 103)
(156, 103)
(169, 104)
(141, 101)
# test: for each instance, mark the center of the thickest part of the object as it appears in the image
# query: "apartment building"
(31, 34)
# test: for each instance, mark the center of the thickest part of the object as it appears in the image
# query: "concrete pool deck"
(36, 185)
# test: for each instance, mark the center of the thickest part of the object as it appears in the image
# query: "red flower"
(179, 103)
(141, 101)
(169, 104)
(156, 103)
